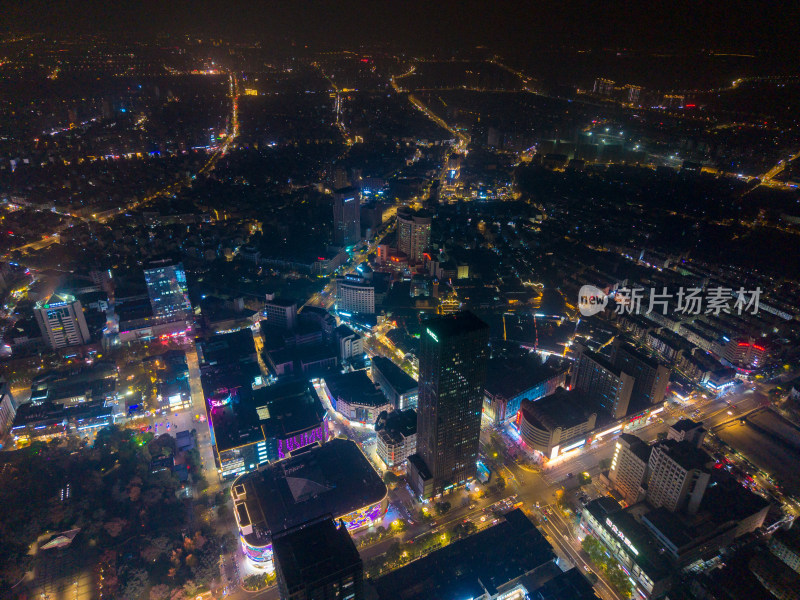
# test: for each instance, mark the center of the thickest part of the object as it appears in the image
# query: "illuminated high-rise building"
(62, 322)
(651, 377)
(166, 286)
(609, 386)
(346, 217)
(628, 470)
(413, 233)
(454, 352)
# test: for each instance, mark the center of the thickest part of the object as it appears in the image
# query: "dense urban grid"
(296, 316)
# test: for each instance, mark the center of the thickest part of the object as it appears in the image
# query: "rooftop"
(562, 409)
(726, 499)
(629, 349)
(278, 411)
(685, 425)
(457, 324)
(401, 381)
(314, 552)
(569, 585)
(646, 554)
(288, 408)
(510, 377)
(686, 454)
(228, 348)
(602, 362)
(332, 479)
(403, 422)
(637, 446)
(465, 569)
(283, 302)
(355, 388)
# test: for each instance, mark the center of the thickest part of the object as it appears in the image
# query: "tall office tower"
(166, 286)
(629, 467)
(413, 233)
(8, 407)
(677, 476)
(633, 93)
(62, 322)
(281, 313)
(601, 381)
(603, 87)
(346, 217)
(453, 356)
(651, 377)
(354, 295)
(317, 561)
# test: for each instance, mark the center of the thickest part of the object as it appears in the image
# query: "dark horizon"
(509, 27)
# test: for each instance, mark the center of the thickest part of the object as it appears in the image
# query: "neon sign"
(621, 536)
(300, 440)
(362, 517)
(433, 335)
(221, 399)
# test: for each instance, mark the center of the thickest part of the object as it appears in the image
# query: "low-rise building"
(630, 543)
(397, 436)
(398, 386)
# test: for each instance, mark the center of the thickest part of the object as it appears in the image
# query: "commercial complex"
(62, 322)
(689, 515)
(452, 373)
(629, 543)
(318, 560)
(397, 385)
(413, 233)
(510, 380)
(257, 426)
(166, 287)
(49, 419)
(346, 217)
(332, 479)
(557, 423)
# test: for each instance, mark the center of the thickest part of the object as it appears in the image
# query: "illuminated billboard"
(302, 439)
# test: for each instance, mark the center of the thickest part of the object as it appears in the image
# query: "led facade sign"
(621, 536)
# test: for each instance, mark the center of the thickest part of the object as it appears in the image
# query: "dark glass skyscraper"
(346, 217)
(453, 355)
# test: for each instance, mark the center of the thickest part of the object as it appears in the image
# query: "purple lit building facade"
(253, 427)
(302, 439)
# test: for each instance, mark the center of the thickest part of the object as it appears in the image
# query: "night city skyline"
(399, 301)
